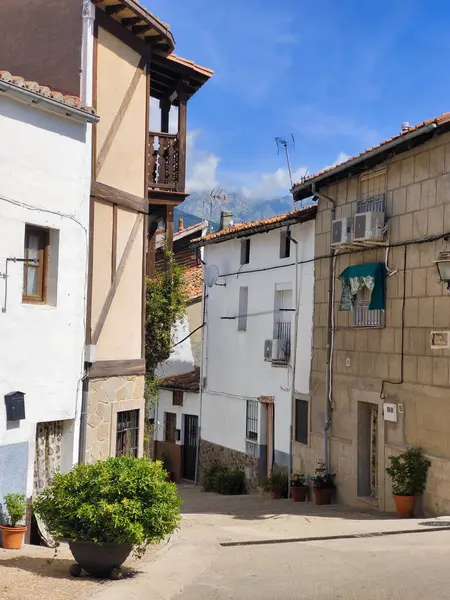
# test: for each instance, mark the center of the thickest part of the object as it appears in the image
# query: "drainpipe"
(87, 52)
(83, 419)
(330, 340)
(294, 359)
(203, 370)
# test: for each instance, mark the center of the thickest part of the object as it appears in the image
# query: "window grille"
(127, 433)
(252, 420)
(177, 398)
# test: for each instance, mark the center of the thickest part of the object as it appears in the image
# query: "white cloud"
(270, 185)
(341, 157)
(201, 167)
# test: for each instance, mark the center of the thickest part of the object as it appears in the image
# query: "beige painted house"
(138, 177)
(388, 370)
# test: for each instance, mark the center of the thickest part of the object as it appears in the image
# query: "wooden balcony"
(164, 162)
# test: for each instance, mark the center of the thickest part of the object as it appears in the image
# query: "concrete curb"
(319, 538)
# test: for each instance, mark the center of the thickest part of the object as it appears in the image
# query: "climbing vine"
(165, 305)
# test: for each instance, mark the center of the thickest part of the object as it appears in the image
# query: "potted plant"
(299, 489)
(323, 484)
(12, 533)
(277, 484)
(168, 465)
(107, 508)
(408, 473)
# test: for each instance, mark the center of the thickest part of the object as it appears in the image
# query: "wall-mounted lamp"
(443, 267)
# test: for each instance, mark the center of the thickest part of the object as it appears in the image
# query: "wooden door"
(190, 446)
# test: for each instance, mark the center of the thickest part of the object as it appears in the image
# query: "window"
(243, 308)
(35, 267)
(177, 398)
(127, 433)
(245, 252)
(283, 320)
(170, 427)
(362, 316)
(301, 420)
(252, 420)
(285, 244)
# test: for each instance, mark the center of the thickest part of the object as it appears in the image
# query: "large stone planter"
(99, 560)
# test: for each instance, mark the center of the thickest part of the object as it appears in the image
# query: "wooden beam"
(130, 21)
(114, 9)
(120, 114)
(169, 227)
(140, 29)
(122, 33)
(144, 285)
(164, 105)
(182, 132)
(104, 192)
(114, 243)
(118, 276)
(117, 368)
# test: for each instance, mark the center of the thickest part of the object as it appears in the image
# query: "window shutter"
(243, 308)
(245, 252)
(301, 421)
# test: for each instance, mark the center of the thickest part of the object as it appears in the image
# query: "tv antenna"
(215, 194)
(285, 143)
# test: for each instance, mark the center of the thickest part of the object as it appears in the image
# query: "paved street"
(195, 566)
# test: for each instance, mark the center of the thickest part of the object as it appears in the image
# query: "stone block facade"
(211, 454)
(417, 192)
(107, 398)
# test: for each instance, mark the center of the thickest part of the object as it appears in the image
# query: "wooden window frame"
(168, 417)
(245, 251)
(130, 433)
(177, 397)
(42, 266)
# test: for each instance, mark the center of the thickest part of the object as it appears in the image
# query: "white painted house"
(249, 342)
(45, 166)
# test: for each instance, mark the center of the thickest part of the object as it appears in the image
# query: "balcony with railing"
(164, 162)
(283, 332)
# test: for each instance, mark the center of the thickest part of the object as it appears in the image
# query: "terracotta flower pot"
(276, 491)
(405, 506)
(12, 537)
(322, 496)
(299, 493)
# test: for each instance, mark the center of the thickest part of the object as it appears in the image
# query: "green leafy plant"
(278, 478)
(16, 507)
(118, 500)
(298, 480)
(321, 479)
(408, 472)
(222, 480)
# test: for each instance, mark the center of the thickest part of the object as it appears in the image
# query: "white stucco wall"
(191, 406)
(181, 359)
(234, 364)
(45, 163)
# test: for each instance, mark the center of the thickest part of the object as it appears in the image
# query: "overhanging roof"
(402, 142)
(166, 73)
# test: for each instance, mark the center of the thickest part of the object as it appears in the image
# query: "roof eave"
(48, 104)
(306, 189)
(308, 216)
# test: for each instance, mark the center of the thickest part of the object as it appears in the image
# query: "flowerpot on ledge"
(12, 537)
(322, 496)
(404, 506)
(276, 491)
(299, 493)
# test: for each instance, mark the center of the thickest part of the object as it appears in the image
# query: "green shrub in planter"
(222, 480)
(118, 500)
(16, 507)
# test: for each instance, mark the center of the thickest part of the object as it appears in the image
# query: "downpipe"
(330, 342)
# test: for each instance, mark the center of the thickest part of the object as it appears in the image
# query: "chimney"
(180, 225)
(225, 219)
(405, 126)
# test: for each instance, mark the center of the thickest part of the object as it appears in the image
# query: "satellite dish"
(211, 275)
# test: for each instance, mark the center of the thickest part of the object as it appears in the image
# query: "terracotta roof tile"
(193, 281)
(188, 382)
(43, 90)
(440, 120)
(306, 213)
(191, 64)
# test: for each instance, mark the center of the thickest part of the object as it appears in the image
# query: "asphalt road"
(395, 568)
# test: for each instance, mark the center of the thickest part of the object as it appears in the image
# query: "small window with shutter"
(245, 252)
(301, 420)
(285, 244)
(243, 308)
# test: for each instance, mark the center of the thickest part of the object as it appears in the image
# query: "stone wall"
(107, 397)
(418, 205)
(211, 454)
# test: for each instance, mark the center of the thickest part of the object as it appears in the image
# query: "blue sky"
(340, 76)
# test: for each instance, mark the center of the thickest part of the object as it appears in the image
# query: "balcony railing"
(164, 161)
(283, 332)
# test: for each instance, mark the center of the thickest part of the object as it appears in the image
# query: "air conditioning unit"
(268, 350)
(341, 231)
(368, 226)
(279, 350)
